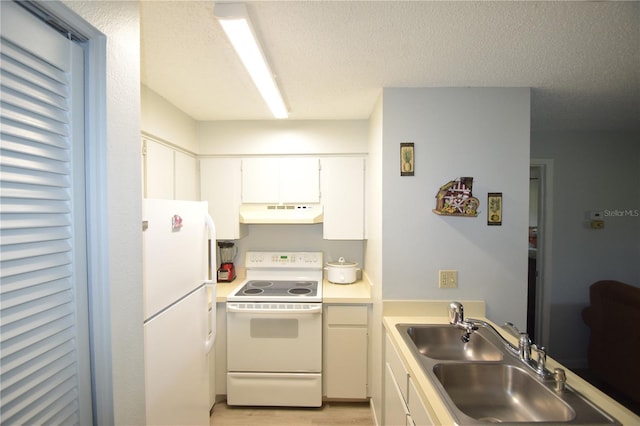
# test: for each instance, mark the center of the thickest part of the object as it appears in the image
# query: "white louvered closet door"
(44, 352)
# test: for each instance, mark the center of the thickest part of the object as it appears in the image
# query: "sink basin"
(500, 393)
(443, 342)
(483, 381)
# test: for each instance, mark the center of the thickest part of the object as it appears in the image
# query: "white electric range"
(274, 331)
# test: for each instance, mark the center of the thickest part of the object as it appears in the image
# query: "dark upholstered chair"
(614, 344)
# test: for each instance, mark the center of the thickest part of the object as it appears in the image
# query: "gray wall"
(297, 238)
(164, 121)
(478, 132)
(591, 171)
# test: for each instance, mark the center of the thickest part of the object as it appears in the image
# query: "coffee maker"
(226, 271)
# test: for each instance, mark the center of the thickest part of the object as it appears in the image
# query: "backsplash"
(298, 238)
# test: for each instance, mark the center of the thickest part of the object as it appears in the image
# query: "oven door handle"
(311, 310)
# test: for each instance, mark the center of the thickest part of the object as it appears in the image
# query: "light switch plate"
(448, 279)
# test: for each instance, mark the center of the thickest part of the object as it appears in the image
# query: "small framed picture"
(494, 208)
(407, 159)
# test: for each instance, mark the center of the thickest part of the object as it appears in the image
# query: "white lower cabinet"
(396, 411)
(419, 412)
(345, 346)
(211, 359)
(220, 349)
(402, 402)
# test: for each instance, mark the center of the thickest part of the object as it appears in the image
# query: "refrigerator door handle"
(211, 338)
(211, 283)
(212, 248)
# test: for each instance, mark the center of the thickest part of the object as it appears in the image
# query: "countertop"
(358, 292)
(429, 393)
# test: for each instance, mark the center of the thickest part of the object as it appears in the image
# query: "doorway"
(95, 319)
(46, 370)
(532, 269)
(539, 253)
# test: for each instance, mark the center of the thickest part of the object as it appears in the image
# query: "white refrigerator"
(179, 325)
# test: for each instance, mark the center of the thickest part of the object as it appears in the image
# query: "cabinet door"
(397, 368)
(343, 198)
(261, 180)
(419, 412)
(221, 349)
(346, 352)
(395, 409)
(186, 177)
(158, 174)
(299, 180)
(346, 361)
(220, 186)
(211, 359)
(280, 180)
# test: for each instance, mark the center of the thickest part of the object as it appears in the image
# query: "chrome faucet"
(522, 351)
(524, 342)
(456, 317)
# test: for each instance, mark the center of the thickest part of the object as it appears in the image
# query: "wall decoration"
(455, 199)
(494, 208)
(407, 159)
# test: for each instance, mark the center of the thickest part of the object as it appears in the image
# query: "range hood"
(281, 213)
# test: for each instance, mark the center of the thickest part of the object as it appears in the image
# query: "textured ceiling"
(332, 58)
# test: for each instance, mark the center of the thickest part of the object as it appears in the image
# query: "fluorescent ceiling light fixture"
(235, 22)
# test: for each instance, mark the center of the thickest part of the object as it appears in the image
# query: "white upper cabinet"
(261, 180)
(300, 180)
(158, 166)
(343, 180)
(220, 185)
(186, 177)
(281, 180)
(169, 174)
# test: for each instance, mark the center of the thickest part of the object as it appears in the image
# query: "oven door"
(274, 337)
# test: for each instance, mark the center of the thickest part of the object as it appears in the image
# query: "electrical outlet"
(448, 279)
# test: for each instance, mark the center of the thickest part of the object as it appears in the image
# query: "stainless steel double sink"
(481, 382)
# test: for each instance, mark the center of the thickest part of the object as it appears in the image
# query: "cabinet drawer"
(351, 315)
